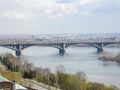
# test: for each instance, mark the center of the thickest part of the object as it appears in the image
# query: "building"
(5, 84)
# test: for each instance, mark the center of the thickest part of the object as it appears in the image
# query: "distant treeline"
(59, 79)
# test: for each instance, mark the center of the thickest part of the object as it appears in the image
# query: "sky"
(59, 16)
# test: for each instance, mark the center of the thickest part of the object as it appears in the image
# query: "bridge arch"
(60, 46)
(8, 47)
(110, 44)
(99, 46)
(55, 46)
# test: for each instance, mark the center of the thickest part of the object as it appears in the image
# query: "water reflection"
(109, 63)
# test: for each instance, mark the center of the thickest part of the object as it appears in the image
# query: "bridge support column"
(62, 50)
(18, 51)
(100, 49)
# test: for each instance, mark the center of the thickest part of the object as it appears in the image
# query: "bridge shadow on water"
(60, 55)
(52, 55)
(97, 53)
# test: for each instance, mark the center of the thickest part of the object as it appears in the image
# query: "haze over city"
(59, 16)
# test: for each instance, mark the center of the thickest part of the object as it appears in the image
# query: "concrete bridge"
(61, 46)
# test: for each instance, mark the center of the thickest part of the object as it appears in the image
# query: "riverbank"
(28, 83)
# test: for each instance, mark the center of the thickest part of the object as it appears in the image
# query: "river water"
(75, 59)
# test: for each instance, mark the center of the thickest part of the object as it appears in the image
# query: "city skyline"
(59, 16)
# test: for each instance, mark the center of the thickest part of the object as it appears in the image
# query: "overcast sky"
(59, 16)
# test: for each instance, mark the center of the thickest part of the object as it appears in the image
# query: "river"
(75, 59)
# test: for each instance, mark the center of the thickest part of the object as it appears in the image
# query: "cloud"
(15, 15)
(55, 8)
(66, 1)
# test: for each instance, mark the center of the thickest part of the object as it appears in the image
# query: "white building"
(8, 85)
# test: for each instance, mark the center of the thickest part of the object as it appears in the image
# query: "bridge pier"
(99, 49)
(18, 51)
(62, 50)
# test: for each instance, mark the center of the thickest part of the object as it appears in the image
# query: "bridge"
(18, 45)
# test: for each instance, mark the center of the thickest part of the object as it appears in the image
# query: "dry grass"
(10, 75)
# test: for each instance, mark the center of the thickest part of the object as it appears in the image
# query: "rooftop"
(17, 86)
